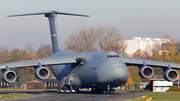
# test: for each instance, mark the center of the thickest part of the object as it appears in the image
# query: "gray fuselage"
(98, 69)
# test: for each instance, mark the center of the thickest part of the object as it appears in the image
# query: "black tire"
(64, 90)
(77, 90)
(70, 91)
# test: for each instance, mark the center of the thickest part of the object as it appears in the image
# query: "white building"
(145, 44)
(160, 85)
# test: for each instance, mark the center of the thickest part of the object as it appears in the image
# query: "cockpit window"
(113, 56)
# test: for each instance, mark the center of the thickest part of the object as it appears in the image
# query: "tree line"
(18, 54)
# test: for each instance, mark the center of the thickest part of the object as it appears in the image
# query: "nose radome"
(118, 72)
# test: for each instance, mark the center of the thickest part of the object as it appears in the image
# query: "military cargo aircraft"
(101, 71)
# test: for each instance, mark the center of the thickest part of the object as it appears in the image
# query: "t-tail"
(52, 16)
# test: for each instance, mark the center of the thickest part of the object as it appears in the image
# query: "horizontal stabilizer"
(48, 12)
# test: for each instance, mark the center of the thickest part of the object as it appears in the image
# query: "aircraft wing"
(43, 62)
(140, 62)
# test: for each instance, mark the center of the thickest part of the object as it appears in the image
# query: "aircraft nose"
(118, 72)
(114, 71)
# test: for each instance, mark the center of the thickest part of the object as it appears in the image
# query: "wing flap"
(43, 61)
(139, 62)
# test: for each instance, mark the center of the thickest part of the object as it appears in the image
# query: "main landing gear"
(67, 89)
(103, 91)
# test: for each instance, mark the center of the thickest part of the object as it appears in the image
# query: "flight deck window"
(113, 56)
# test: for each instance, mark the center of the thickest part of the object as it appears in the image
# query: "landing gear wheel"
(92, 90)
(58, 90)
(103, 92)
(106, 91)
(114, 91)
(110, 91)
(64, 90)
(96, 90)
(77, 90)
(70, 91)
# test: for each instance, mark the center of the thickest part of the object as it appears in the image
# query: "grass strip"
(159, 96)
(14, 96)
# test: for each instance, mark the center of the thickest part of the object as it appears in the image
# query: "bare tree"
(110, 39)
(155, 49)
(82, 41)
(107, 36)
(44, 51)
(104, 38)
(3, 51)
(30, 50)
(168, 36)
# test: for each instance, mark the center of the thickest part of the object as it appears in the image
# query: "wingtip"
(8, 16)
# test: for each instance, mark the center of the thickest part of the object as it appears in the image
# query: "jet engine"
(9, 76)
(41, 72)
(146, 72)
(170, 75)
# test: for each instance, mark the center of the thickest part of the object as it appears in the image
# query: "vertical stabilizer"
(52, 17)
(54, 31)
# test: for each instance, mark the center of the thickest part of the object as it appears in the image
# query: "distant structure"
(160, 85)
(145, 44)
(3, 84)
(37, 84)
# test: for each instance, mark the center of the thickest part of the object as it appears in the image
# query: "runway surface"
(82, 96)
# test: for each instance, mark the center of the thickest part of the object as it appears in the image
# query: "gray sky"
(144, 18)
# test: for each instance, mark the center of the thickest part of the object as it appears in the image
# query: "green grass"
(14, 89)
(19, 95)
(156, 96)
(14, 96)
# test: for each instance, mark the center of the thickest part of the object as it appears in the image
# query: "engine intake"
(170, 75)
(41, 72)
(9, 76)
(146, 72)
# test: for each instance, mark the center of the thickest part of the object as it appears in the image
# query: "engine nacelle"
(146, 72)
(9, 76)
(41, 72)
(170, 75)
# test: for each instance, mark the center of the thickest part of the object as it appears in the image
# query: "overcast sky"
(143, 18)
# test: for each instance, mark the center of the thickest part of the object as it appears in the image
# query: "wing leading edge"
(43, 62)
(139, 62)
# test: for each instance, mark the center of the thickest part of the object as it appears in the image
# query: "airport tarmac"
(82, 96)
